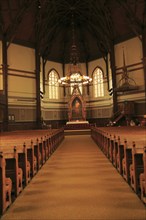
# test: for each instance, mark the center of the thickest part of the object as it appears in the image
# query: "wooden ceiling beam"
(1, 21)
(85, 46)
(108, 20)
(97, 20)
(53, 15)
(99, 41)
(11, 31)
(46, 50)
(10, 10)
(134, 22)
(51, 28)
(49, 22)
(64, 46)
(100, 30)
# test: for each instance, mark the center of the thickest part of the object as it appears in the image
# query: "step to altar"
(77, 132)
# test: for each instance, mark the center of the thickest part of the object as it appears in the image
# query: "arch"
(52, 78)
(98, 67)
(98, 84)
(52, 69)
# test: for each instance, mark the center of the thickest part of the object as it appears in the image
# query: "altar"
(76, 122)
(77, 125)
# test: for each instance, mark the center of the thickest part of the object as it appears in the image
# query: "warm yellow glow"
(75, 78)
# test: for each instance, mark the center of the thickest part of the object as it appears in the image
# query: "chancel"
(72, 109)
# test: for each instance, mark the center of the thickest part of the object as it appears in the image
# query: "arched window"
(75, 77)
(53, 85)
(98, 89)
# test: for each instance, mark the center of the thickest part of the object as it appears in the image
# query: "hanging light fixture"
(74, 75)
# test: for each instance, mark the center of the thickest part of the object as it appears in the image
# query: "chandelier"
(74, 76)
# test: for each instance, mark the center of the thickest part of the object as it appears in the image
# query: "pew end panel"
(32, 160)
(111, 148)
(24, 164)
(5, 187)
(42, 150)
(37, 155)
(136, 168)
(115, 151)
(120, 156)
(14, 172)
(143, 178)
(126, 162)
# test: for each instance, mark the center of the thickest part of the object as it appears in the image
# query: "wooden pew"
(143, 179)
(13, 171)
(24, 152)
(45, 142)
(107, 138)
(136, 168)
(32, 159)
(128, 158)
(111, 147)
(5, 186)
(127, 161)
(23, 163)
(120, 155)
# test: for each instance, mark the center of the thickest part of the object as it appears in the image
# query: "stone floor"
(77, 183)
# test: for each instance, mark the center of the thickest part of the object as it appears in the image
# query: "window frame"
(53, 84)
(98, 86)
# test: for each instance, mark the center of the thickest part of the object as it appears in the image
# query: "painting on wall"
(76, 109)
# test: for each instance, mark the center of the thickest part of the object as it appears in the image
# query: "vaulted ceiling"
(47, 25)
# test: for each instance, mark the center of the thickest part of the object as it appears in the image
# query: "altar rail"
(77, 126)
(22, 154)
(125, 147)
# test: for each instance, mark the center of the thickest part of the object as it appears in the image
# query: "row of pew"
(22, 154)
(125, 147)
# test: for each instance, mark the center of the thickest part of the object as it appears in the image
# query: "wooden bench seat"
(5, 187)
(120, 155)
(24, 164)
(127, 161)
(23, 153)
(136, 168)
(143, 179)
(13, 171)
(124, 147)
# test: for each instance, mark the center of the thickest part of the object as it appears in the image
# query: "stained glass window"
(53, 85)
(98, 88)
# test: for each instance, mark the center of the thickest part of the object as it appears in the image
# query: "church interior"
(73, 109)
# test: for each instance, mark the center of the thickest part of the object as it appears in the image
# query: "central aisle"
(77, 182)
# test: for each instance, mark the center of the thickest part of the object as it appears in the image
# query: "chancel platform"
(77, 127)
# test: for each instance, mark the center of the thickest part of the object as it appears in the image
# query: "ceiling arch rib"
(11, 31)
(133, 21)
(97, 22)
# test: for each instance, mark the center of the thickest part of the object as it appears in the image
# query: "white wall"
(21, 83)
(21, 75)
(21, 58)
(132, 50)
